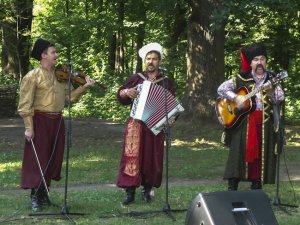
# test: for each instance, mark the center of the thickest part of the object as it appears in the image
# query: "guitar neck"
(282, 75)
(254, 92)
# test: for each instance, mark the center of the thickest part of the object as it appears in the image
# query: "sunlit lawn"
(196, 165)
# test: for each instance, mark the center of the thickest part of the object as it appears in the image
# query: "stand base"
(277, 202)
(64, 212)
(166, 209)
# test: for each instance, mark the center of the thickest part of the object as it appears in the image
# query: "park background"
(201, 41)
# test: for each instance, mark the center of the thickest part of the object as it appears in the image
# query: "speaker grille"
(231, 208)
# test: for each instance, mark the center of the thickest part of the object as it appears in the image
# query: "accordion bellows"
(152, 104)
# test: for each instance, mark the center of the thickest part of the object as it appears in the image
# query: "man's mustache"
(260, 66)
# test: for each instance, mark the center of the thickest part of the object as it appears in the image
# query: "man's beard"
(260, 66)
(150, 70)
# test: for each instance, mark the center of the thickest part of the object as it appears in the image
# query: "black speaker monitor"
(231, 208)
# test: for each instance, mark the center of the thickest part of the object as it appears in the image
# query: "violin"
(62, 73)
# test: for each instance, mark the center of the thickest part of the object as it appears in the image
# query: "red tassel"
(245, 65)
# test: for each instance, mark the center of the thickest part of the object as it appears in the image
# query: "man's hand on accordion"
(171, 121)
(131, 92)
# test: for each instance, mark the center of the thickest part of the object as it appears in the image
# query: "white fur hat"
(149, 48)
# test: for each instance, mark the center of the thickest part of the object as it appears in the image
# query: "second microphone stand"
(279, 127)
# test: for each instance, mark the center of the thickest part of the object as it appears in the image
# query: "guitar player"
(252, 155)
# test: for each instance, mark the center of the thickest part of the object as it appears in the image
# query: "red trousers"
(50, 151)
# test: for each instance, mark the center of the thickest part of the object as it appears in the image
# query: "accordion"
(151, 105)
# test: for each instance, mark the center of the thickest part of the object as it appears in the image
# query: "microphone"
(70, 64)
(70, 67)
(162, 69)
(76, 74)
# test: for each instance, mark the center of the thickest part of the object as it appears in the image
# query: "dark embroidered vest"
(246, 79)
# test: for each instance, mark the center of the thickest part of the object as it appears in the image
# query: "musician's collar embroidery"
(243, 78)
(152, 79)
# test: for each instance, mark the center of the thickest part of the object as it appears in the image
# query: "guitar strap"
(142, 76)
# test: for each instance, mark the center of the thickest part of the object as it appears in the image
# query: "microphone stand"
(65, 211)
(279, 123)
(167, 208)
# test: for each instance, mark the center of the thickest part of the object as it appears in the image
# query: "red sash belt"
(52, 115)
(252, 147)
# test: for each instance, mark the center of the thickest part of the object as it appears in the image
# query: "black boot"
(233, 184)
(35, 204)
(256, 184)
(44, 198)
(130, 195)
(146, 193)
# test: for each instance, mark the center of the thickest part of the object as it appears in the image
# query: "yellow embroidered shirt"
(41, 91)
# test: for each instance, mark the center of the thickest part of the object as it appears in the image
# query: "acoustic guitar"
(229, 115)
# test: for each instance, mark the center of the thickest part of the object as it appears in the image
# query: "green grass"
(103, 207)
(196, 165)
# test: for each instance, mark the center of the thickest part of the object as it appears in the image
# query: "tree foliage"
(101, 38)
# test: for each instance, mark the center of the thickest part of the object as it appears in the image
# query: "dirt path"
(12, 131)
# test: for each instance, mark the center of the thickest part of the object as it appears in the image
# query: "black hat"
(39, 47)
(254, 50)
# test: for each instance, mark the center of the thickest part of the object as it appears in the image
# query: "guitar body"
(229, 115)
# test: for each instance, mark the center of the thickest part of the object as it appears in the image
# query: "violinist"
(42, 99)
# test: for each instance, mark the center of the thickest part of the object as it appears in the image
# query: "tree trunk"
(68, 44)
(112, 51)
(24, 26)
(16, 39)
(176, 30)
(205, 61)
(120, 39)
(140, 34)
(9, 55)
